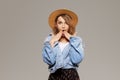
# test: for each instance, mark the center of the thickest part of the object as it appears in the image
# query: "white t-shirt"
(62, 45)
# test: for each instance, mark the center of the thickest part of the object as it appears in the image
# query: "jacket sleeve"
(76, 50)
(48, 55)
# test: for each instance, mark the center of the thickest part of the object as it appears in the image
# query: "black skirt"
(64, 74)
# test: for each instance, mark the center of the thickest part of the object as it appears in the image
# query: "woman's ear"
(56, 25)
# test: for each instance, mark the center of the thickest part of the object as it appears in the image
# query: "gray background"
(24, 26)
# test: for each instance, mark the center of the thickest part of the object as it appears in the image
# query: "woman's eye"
(59, 22)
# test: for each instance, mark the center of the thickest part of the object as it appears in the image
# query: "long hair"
(68, 21)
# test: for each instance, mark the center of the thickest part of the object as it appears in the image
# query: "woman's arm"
(76, 50)
(48, 54)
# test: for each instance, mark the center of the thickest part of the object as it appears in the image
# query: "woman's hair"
(68, 21)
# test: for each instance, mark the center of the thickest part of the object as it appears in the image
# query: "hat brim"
(54, 14)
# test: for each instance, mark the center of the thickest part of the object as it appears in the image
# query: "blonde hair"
(68, 20)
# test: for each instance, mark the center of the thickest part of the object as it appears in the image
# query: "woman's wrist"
(51, 43)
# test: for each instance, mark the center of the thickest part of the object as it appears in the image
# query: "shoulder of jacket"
(48, 37)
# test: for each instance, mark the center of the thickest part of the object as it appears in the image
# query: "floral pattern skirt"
(64, 74)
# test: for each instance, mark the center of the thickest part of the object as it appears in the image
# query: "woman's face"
(61, 24)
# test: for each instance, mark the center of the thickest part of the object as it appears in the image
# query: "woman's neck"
(64, 40)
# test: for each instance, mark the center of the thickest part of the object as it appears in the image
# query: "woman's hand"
(67, 35)
(55, 38)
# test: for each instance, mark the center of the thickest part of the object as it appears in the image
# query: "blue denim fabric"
(71, 56)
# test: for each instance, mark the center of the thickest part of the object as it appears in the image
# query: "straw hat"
(55, 13)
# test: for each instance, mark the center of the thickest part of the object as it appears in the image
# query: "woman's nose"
(63, 25)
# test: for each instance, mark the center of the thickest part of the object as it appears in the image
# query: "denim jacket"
(71, 56)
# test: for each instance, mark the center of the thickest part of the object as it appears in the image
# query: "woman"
(63, 50)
